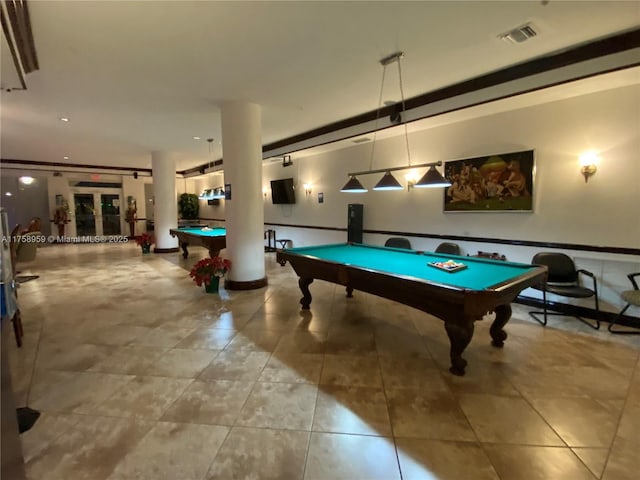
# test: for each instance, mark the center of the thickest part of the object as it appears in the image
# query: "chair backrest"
(561, 267)
(448, 247)
(398, 242)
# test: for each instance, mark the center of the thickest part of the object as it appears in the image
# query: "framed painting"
(495, 183)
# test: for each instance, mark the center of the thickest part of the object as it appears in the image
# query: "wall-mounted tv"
(282, 191)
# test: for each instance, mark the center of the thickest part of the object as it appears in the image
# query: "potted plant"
(188, 206)
(208, 272)
(145, 241)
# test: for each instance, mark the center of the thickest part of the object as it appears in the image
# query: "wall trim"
(501, 241)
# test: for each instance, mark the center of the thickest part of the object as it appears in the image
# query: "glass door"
(110, 209)
(85, 214)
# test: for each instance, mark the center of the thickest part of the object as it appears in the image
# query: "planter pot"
(146, 248)
(213, 286)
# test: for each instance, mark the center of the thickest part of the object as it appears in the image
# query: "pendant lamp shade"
(388, 182)
(353, 186)
(432, 179)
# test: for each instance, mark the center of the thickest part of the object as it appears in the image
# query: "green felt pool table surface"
(479, 274)
(205, 232)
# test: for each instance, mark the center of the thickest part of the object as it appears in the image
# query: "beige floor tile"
(181, 363)
(351, 341)
(302, 342)
(580, 421)
(513, 462)
(261, 454)
(426, 414)
(162, 336)
(357, 371)
(144, 397)
(624, 461)
(216, 402)
(88, 450)
(348, 457)
(129, 360)
(357, 410)
(75, 358)
(411, 372)
(254, 341)
(80, 392)
(435, 459)
(117, 334)
(399, 341)
(293, 368)
(279, 406)
(594, 458)
(504, 419)
(208, 339)
(45, 431)
(242, 366)
(172, 451)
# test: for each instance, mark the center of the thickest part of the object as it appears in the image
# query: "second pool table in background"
(213, 239)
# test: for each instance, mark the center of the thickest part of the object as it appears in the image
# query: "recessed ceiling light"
(196, 138)
(26, 180)
(64, 119)
(8, 194)
(65, 157)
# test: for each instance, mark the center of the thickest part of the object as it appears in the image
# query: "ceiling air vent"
(520, 34)
(361, 140)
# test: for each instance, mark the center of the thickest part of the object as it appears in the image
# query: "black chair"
(564, 280)
(632, 297)
(448, 247)
(398, 242)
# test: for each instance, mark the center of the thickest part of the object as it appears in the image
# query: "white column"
(165, 208)
(244, 212)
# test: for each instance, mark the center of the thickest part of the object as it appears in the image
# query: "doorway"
(85, 214)
(97, 213)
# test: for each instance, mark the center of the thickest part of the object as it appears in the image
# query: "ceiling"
(137, 77)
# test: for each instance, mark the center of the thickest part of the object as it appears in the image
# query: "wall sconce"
(307, 189)
(265, 190)
(588, 167)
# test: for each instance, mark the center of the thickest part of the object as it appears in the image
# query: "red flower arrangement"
(145, 240)
(207, 268)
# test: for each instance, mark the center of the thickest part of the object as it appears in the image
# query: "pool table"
(214, 239)
(459, 298)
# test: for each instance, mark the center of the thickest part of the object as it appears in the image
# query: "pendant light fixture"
(432, 178)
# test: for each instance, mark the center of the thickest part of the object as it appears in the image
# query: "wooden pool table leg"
(304, 283)
(213, 252)
(459, 337)
(503, 314)
(185, 252)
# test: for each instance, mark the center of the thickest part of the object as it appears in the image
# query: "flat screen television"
(282, 191)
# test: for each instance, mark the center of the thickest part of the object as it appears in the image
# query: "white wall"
(602, 212)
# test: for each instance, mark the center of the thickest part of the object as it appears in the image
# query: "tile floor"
(139, 374)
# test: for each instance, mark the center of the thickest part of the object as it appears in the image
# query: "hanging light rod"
(393, 169)
(394, 57)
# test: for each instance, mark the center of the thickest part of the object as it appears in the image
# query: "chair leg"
(534, 315)
(622, 332)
